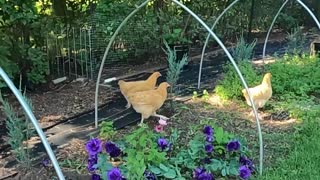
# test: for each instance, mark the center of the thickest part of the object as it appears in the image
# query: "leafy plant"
(40, 66)
(230, 86)
(296, 41)
(243, 51)
(205, 95)
(175, 67)
(146, 154)
(176, 37)
(106, 130)
(19, 131)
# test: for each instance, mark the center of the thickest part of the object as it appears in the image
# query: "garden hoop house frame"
(211, 33)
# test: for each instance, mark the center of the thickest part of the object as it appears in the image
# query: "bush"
(230, 86)
(294, 75)
(291, 76)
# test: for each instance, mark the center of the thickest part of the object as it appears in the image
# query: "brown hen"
(127, 88)
(148, 102)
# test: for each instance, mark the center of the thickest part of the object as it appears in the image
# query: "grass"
(303, 161)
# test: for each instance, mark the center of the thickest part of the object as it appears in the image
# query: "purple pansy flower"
(208, 131)
(162, 143)
(92, 160)
(95, 177)
(233, 145)
(198, 171)
(93, 146)
(209, 138)
(244, 172)
(244, 161)
(205, 176)
(45, 162)
(208, 148)
(112, 149)
(114, 174)
(149, 175)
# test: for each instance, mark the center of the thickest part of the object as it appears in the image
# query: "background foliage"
(25, 25)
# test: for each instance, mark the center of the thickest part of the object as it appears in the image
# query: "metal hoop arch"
(208, 37)
(218, 41)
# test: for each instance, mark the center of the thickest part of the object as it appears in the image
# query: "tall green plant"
(175, 67)
(296, 41)
(243, 50)
(19, 131)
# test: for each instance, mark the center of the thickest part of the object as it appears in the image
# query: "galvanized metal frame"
(214, 36)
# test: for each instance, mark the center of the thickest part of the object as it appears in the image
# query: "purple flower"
(244, 172)
(244, 161)
(114, 174)
(208, 148)
(45, 162)
(208, 131)
(198, 171)
(93, 146)
(112, 149)
(209, 138)
(92, 161)
(233, 145)
(162, 143)
(149, 175)
(95, 177)
(205, 176)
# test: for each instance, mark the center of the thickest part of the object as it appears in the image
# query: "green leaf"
(170, 174)
(154, 170)
(163, 167)
(223, 172)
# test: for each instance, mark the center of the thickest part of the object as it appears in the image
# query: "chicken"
(261, 93)
(148, 102)
(135, 86)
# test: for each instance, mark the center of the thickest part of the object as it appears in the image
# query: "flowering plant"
(144, 154)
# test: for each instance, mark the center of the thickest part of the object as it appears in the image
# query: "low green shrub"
(230, 86)
(291, 76)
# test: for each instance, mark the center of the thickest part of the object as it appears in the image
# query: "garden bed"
(191, 112)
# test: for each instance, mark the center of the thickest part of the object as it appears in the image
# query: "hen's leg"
(259, 116)
(128, 103)
(160, 116)
(141, 122)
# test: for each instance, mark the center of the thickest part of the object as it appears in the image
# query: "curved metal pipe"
(34, 121)
(310, 12)
(270, 29)
(239, 73)
(105, 56)
(208, 37)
